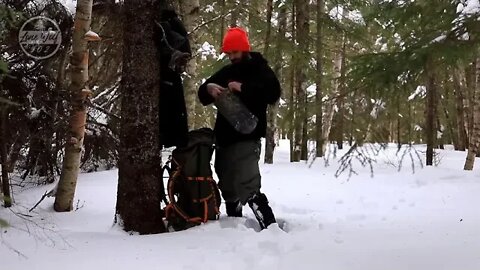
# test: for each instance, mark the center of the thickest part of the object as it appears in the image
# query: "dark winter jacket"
(260, 87)
(172, 109)
(171, 37)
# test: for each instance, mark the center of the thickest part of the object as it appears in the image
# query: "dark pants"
(237, 168)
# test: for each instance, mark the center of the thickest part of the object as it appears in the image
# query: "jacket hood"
(257, 57)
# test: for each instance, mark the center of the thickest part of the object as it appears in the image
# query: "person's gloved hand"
(181, 62)
(178, 61)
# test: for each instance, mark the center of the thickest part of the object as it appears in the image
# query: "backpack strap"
(200, 178)
(173, 207)
(216, 196)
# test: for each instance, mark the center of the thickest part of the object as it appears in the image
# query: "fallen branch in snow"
(47, 194)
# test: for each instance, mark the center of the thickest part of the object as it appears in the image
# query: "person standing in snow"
(237, 155)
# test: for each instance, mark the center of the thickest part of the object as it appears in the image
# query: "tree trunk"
(223, 8)
(14, 153)
(468, 101)
(302, 23)
(440, 139)
(352, 121)
(431, 112)
(291, 111)
(304, 150)
(252, 6)
(235, 12)
(474, 135)
(292, 100)
(3, 158)
(337, 77)
(39, 159)
(140, 184)
(450, 136)
(269, 28)
(318, 81)
(341, 100)
(410, 121)
(78, 114)
(273, 109)
(459, 86)
(190, 14)
(399, 121)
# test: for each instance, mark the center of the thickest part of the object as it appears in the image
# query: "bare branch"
(213, 20)
(47, 194)
(9, 102)
(98, 108)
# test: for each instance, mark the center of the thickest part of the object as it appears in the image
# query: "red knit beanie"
(236, 39)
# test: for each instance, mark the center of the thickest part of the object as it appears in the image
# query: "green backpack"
(193, 195)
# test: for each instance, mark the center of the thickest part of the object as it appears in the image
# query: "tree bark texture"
(431, 112)
(318, 81)
(272, 127)
(302, 53)
(190, 13)
(459, 92)
(474, 140)
(78, 113)
(140, 184)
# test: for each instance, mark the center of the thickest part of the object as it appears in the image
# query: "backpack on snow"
(193, 195)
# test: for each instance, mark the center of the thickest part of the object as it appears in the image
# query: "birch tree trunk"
(330, 106)
(190, 14)
(78, 114)
(474, 136)
(140, 184)
(318, 81)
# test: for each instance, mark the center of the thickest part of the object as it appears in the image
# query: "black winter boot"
(234, 209)
(263, 212)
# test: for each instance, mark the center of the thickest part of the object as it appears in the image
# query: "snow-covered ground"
(395, 220)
